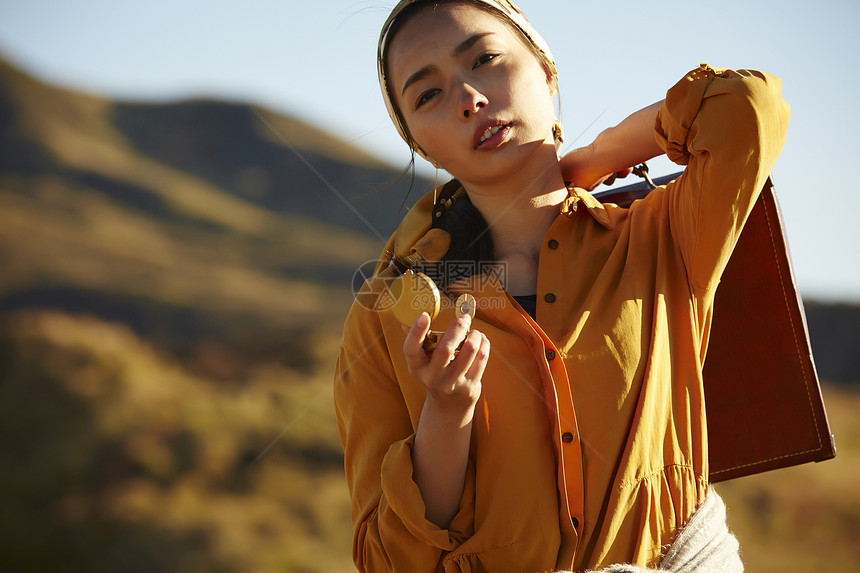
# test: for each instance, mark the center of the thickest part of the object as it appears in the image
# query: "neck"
(519, 211)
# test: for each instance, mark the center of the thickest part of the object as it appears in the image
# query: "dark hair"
(471, 249)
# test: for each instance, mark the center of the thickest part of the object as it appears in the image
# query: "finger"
(444, 352)
(412, 344)
(466, 356)
(479, 363)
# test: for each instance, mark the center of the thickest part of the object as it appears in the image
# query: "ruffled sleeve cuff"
(404, 499)
(680, 109)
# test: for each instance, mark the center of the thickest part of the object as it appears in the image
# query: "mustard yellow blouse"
(589, 443)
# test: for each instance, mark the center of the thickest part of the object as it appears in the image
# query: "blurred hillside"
(174, 280)
(834, 331)
(199, 219)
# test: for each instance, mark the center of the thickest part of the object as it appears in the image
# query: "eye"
(484, 59)
(425, 97)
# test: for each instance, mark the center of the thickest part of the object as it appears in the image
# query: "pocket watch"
(413, 293)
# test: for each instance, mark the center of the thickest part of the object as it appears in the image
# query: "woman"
(568, 431)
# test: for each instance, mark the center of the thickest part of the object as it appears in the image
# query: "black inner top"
(528, 302)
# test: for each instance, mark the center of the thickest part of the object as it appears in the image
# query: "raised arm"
(727, 127)
(614, 150)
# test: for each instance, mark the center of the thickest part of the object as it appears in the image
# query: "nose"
(471, 101)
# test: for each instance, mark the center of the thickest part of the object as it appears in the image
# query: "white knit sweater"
(704, 545)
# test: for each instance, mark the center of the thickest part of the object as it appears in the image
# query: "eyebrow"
(461, 48)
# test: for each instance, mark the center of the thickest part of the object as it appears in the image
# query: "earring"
(435, 185)
(556, 132)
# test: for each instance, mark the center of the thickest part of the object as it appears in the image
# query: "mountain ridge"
(90, 187)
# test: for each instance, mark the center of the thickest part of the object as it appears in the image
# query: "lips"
(491, 134)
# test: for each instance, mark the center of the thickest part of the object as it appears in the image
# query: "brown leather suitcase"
(763, 400)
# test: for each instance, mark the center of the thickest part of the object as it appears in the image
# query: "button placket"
(567, 444)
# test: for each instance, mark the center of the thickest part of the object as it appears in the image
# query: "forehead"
(432, 34)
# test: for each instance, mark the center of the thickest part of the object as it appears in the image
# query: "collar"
(578, 196)
(414, 235)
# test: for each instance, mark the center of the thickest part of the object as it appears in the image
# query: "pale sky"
(316, 60)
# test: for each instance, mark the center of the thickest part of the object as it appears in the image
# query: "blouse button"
(550, 354)
(575, 523)
(549, 297)
(552, 244)
(567, 437)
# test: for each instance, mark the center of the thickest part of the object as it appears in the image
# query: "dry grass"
(118, 450)
(805, 518)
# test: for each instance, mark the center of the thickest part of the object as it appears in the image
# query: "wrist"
(449, 412)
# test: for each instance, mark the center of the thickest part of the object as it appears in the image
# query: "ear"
(551, 79)
(552, 82)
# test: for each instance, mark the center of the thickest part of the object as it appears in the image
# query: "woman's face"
(474, 96)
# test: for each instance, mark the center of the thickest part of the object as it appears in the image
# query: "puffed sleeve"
(728, 127)
(391, 532)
